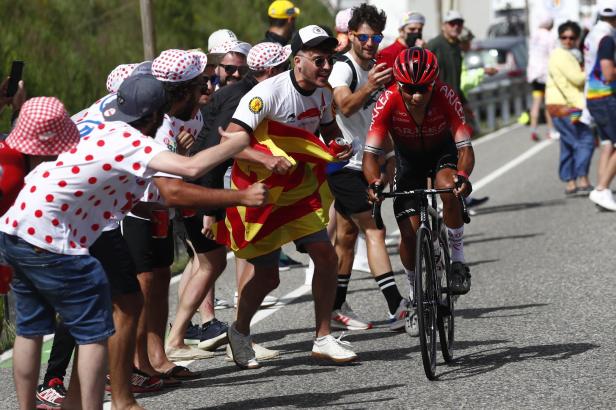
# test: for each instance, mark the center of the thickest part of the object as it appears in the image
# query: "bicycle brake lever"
(464, 210)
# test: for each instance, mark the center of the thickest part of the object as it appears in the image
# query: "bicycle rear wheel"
(427, 302)
(446, 316)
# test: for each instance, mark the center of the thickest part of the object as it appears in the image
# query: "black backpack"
(346, 59)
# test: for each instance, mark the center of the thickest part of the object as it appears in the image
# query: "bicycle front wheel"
(427, 301)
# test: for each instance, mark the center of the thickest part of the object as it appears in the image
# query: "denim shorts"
(46, 283)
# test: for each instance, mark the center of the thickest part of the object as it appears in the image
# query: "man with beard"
(232, 67)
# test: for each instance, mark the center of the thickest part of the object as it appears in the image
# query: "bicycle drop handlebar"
(376, 207)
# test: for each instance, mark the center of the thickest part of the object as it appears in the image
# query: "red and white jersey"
(443, 118)
(65, 203)
(280, 98)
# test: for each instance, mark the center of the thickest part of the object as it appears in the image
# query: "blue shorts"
(602, 111)
(46, 283)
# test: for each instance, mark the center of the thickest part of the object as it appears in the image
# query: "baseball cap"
(282, 9)
(411, 17)
(311, 36)
(232, 46)
(220, 37)
(137, 97)
(178, 65)
(43, 128)
(342, 20)
(452, 15)
(123, 71)
(607, 8)
(265, 55)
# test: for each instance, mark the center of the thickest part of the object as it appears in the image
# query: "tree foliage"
(70, 46)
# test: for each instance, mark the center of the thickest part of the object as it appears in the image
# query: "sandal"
(181, 373)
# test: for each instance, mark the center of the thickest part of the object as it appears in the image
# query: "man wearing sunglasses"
(426, 122)
(446, 47)
(357, 84)
(232, 67)
(299, 98)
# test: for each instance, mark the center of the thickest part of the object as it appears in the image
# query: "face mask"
(411, 38)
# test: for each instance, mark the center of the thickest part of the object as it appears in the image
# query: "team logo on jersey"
(255, 105)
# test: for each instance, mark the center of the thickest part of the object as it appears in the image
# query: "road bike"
(432, 298)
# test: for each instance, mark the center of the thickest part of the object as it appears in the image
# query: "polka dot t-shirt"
(65, 203)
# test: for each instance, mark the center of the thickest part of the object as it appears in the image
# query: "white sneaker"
(345, 318)
(410, 324)
(261, 353)
(603, 198)
(330, 348)
(269, 301)
(397, 320)
(554, 134)
(221, 304)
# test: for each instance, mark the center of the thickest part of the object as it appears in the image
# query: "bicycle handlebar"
(376, 207)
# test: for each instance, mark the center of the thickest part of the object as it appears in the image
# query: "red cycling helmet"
(416, 66)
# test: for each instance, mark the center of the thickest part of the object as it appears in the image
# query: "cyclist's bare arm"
(466, 159)
(370, 163)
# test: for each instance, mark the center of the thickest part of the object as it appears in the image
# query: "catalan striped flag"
(298, 201)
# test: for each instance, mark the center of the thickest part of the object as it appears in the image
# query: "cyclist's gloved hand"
(463, 185)
(375, 190)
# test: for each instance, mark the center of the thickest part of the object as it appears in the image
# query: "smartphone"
(17, 69)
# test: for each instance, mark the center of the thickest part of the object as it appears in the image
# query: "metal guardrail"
(499, 103)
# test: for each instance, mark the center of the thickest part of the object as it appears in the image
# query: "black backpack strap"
(347, 60)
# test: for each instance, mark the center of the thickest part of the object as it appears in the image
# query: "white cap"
(311, 36)
(232, 46)
(607, 8)
(411, 17)
(219, 37)
(452, 15)
(342, 20)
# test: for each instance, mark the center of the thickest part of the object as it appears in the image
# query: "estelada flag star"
(298, 201)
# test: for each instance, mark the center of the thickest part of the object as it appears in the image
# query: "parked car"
(508, 54)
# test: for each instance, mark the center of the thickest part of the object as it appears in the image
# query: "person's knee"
(130, 304)
(326, 256)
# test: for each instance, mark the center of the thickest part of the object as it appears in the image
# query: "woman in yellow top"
(564, 98)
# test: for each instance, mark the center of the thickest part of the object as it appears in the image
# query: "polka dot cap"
(232, 45)
(178, 65)
(43, 128)
(117, 76)
(265, 55)
(342, 20)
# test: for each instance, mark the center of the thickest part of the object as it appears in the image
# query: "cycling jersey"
(444, 117)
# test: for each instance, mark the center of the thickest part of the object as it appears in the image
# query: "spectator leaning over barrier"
(600, 67)
(540, 46)
(564, 99)
(410, 28)
(282, 15)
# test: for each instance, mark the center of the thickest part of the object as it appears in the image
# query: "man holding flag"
(282, 115)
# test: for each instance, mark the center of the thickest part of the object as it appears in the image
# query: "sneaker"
(553, 134)
(221, 304)
(261, 352)
(472, 201)
(268, 301)
(410, 324)
(286, 262)
(397, 320)
(330, 348)
(192, 335)
(241, 348)
(345, 318)
(460, 281)
(603, 198)
(50, 395)
(213, 335)
(139, 383)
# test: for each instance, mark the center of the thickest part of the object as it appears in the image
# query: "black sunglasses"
(363, 38)
(230, 69)
(415, 89)
(320, 61)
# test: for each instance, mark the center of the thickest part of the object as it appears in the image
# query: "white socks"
(456, 242)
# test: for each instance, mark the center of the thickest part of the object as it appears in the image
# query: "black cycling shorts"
(412, 172)
(349, 189)
(194, 225)
(147, 252)
(111, 250)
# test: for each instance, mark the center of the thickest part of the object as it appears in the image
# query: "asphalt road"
(536, 331)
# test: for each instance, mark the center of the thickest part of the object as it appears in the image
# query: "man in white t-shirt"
(300, 98)
(60, 213)
(357, 84)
